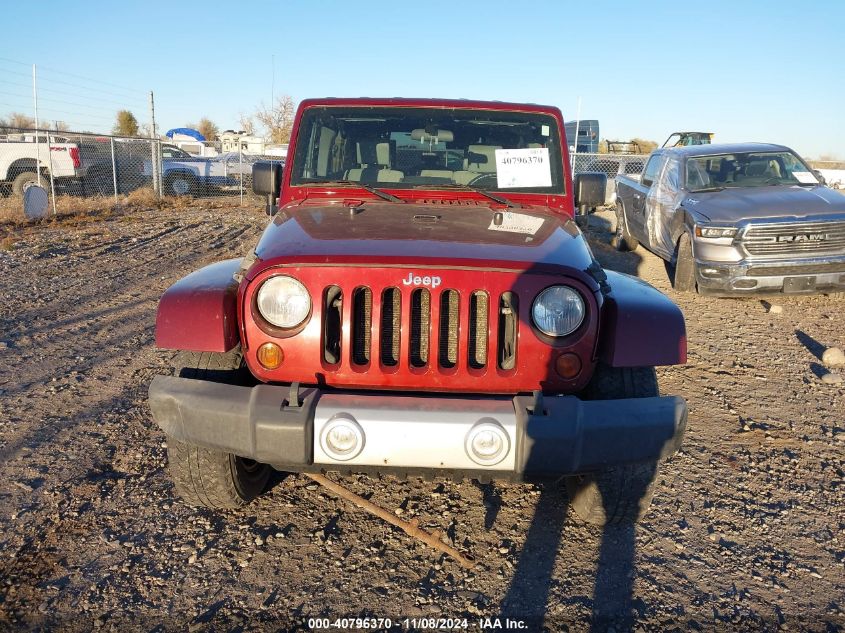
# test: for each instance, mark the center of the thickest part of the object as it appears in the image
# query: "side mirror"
(821, 178)
(590, 189)
(266, 181)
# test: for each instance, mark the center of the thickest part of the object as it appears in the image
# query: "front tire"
(180, 184)
(24, 181)
(623, 240)
(208, 477)
(620, 494)
(683, 277)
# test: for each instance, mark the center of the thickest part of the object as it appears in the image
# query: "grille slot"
(448, 327)
(362, 311)
(508, 323)
(333, 302)
(477, 341)
(769, 239)
(420, 326)
(391, 306)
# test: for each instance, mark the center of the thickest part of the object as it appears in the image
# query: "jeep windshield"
(429, 148)
(747, 169)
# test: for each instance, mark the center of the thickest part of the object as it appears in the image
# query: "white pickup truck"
(183, 174)
(20, 156)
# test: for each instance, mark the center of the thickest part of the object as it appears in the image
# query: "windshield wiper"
(487, 194)
(378, 192)
(708, 189)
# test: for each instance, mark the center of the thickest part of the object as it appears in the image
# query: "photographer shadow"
(531, 595)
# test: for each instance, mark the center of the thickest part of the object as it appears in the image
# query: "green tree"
(126, 124)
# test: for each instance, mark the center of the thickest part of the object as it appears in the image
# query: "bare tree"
(17, 119)
(277, 120)
(126, 124)
(246, 124)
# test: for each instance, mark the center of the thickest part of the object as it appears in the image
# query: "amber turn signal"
(568, 366)
(270, 356)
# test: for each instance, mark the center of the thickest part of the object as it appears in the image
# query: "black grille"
(448, 353)
(422, 321)
(362, 310)
(391, 306)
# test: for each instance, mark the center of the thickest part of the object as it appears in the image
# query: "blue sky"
(763, 71)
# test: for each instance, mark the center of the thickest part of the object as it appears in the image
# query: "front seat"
(480, 159)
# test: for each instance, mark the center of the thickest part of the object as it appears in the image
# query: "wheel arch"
(199, 312)
(640, 326)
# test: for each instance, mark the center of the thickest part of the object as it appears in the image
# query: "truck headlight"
(715, 231)
(283, 301)
(558, 311)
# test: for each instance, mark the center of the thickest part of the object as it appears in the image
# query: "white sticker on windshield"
(805, 177)
(528, 167)
(544, 130)
(516, 223)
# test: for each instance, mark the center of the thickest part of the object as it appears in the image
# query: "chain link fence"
(89, 165)
(612, 165)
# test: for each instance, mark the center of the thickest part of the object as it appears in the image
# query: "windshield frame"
(306, 129)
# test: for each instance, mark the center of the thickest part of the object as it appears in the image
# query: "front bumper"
(793, 276)
(418, 434)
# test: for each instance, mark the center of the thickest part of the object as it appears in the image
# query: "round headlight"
(558, 311)
(283, 301)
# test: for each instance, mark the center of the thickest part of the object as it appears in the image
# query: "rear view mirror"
(590, 189)
(266, 181)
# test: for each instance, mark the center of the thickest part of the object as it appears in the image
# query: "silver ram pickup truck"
(735, 219)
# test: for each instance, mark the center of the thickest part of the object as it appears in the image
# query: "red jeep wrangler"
(421, 303)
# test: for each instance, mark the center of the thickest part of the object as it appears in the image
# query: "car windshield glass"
(747, 169)
(403, 148)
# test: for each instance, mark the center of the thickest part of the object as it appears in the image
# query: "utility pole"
(37, 143)
(153, 146)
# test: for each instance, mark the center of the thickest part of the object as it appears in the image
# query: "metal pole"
(577, 127)
(37, 143)
(241, 171)
(50, 163)
(114, 172)
(153, 149)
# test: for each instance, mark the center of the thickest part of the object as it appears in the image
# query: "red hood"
(459, 234)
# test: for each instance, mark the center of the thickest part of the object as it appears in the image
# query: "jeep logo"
(803, 237)
(416, 280)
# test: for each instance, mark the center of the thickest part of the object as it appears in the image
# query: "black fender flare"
(640, 326)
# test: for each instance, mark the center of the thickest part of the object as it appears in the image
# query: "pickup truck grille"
(426, 307)
(788, 238)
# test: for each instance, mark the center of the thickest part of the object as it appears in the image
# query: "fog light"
(568, 365)
(487, 443)
(270, 356)
(342, 437)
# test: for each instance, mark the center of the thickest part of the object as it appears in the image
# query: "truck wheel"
(180, 185)
(24, 181)
(623, 240)
(683, 277)
(204, 476)
(621, 494)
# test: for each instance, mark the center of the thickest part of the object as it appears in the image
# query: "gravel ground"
(746, 530)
